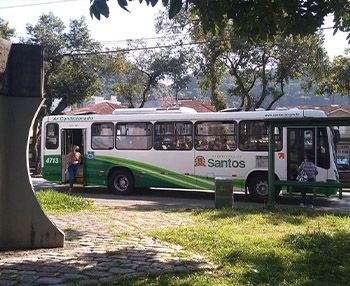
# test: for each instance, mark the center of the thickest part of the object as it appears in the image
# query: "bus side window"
(52, 134)
(134, 136)
(102, 135)
(253, 136)
(173, 136)
(216, 135)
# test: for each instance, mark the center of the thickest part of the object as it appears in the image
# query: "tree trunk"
(277, 97)
(264, 83)
(217, 97)
(35, 147)
(144, 94)
(274, 101)
(242, 102)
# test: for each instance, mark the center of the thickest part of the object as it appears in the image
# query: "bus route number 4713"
(51, 160)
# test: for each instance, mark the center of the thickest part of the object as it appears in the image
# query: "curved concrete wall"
(23, 224)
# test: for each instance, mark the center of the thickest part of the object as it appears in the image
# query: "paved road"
(142, 197)
(184, 199)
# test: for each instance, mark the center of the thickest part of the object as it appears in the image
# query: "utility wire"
(126, 50)
(135, 49)
(146, 39)
(37, 4)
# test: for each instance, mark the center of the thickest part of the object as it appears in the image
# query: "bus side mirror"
(336, 136)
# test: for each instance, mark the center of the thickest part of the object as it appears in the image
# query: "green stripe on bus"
(158, 176)
(169, 176)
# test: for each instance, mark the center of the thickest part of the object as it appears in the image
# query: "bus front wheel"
(258, 188)
(121, 182)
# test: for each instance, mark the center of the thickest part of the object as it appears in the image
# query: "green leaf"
(94, 12)
(99, 7)
(153, 2)
(123, 4)
(102, 7)
(175, 7)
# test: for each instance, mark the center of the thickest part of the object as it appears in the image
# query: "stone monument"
(23, 223)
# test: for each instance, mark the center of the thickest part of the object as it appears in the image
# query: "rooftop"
(99, 108)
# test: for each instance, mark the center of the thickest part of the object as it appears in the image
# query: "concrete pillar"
(23, 223)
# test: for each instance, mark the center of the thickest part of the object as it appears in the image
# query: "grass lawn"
(258, 246)
(56, 202)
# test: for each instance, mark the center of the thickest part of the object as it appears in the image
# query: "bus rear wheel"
(258, 188)
(121, 182)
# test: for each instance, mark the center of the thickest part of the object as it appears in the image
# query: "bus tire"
(258, 188)
(121, 182)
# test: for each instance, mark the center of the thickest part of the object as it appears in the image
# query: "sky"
(120, 25)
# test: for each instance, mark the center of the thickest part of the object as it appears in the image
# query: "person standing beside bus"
(73, 162)
(311, 171)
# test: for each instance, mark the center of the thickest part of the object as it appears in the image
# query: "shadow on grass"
(325, 259)
(266, 269)
(318, 259)
(275, 216)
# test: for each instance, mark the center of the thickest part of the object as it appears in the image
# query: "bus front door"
(301, 141)
(71, 137)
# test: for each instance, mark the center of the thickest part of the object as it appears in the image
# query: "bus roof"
(154, 110)
(168, 115)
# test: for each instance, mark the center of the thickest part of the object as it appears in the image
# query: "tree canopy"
(336, 79)
(268, 65)
(6, 32)
(68, 78)
(253, 19)
(141, 74)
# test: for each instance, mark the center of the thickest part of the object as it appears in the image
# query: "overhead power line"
(126, 50)
(135, 49)
(37, 4)
(146, 39)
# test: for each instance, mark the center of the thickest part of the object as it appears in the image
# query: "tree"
(68, 77)
(257, 20)
(336, 78)
(270, 66)
(144, 71)
(267, 64)
(72, 83)
(5, 31)
(60, 56)
(131, 85)
(178, 73)
(205, 56)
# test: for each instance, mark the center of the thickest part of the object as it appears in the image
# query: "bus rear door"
(311, 141)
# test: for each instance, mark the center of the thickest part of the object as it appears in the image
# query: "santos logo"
(212, 163)
(225, 163)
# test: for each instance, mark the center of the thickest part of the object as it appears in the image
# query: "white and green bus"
(182, 149)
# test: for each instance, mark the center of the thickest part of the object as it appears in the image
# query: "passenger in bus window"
(226, 145)
(216, 145)
(205, 145)
(183, 144)
(188, 142)
(74, 159)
